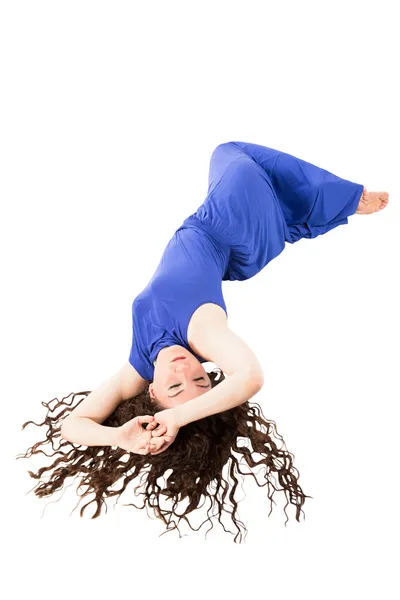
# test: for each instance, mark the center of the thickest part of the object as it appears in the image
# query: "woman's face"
(177, 381)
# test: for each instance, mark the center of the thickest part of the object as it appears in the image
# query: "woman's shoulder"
(208, 315)
(211, 338)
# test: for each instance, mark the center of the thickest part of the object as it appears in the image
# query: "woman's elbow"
(256, 378)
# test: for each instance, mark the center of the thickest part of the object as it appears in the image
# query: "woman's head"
(191, 468)
(178, 377)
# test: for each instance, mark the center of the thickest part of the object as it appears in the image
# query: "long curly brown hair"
(196, 459)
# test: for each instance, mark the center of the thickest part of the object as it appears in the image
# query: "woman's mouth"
(178, 358)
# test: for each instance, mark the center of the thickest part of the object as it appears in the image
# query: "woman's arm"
(83, 424)
(234, 390)
(102, 402)
(210, 337)
(85, 431)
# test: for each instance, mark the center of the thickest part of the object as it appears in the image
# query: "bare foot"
(371, 202)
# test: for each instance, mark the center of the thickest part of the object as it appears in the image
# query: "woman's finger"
(145, 418)
(158, 446)
(155, 444)
(159, 431)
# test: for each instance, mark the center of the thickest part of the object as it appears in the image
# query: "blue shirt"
(189, 274)
(258, 199)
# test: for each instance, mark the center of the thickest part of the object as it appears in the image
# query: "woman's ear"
(151, 393)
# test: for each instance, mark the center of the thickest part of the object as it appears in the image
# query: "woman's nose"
(180, 364)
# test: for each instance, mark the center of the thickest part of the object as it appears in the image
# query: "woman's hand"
(165, 434)
(133, 437)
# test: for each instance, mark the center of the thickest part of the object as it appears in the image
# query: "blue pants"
(312, 200)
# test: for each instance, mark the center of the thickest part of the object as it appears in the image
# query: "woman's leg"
(313, 200)
(221, 158)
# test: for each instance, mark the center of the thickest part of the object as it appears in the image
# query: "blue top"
(189, 274)
(258, 199)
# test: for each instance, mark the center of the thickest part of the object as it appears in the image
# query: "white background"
(109, 114)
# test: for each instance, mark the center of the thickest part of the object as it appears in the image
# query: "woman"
(258, 199)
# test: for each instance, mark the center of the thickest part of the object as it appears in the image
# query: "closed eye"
(178, 384)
